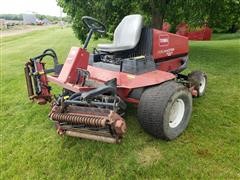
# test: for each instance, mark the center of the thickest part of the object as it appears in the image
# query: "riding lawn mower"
(142, 66)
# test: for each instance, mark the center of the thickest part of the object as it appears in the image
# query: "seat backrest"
(128, 31)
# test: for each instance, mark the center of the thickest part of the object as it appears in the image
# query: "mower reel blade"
(27, 71)
(89, 123)
(37, 83)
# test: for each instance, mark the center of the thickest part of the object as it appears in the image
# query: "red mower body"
(167, 51)
(141, 66)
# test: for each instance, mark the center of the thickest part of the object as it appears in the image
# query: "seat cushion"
(112, 47)
(126, 35)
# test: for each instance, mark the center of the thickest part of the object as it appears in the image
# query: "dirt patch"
(203, 152)
(149, 156)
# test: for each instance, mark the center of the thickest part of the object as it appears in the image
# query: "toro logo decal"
(163, 40)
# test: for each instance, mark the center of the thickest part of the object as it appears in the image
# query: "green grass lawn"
(208, 149)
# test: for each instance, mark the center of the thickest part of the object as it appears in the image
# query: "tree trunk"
(158, 12)
(157, 20)
(233, 28)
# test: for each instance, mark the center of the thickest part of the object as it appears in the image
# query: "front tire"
(199, 80)
(164, 111)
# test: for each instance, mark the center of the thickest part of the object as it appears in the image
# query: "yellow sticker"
(65, 97)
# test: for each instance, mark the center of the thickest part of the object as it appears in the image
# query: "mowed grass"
(208, 149)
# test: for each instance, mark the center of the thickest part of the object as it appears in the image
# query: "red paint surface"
(125, 82)
(167, 44)
(204, 33)
(170, 65)
(130, 81)
(45, 93)
(77, 58)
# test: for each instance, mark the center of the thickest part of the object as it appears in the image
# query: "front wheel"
(199, 80)
(164, 111)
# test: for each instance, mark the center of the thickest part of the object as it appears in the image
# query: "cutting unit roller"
(96, 121)
(89, 123)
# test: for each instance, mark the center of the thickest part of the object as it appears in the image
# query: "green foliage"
(50, 18)
(222, 15)
(31, 148)
(17, 17)
(67, 19)
(109, 12)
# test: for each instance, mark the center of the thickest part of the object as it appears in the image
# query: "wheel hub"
(176, 113)
(202, 85)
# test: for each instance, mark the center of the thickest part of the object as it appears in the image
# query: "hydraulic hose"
(75, 95)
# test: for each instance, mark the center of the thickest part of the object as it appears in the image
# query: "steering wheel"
(94, 24)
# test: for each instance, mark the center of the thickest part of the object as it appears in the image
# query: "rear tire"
(164, 111)
(199, 80)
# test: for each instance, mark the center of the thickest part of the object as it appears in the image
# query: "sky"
(47, 7)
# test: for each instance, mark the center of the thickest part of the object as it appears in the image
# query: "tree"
(222, 15)
(112, 11)
(17, 17)
(108, 11)
(156, 9)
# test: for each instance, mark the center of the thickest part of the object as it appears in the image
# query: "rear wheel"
(164, 111)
